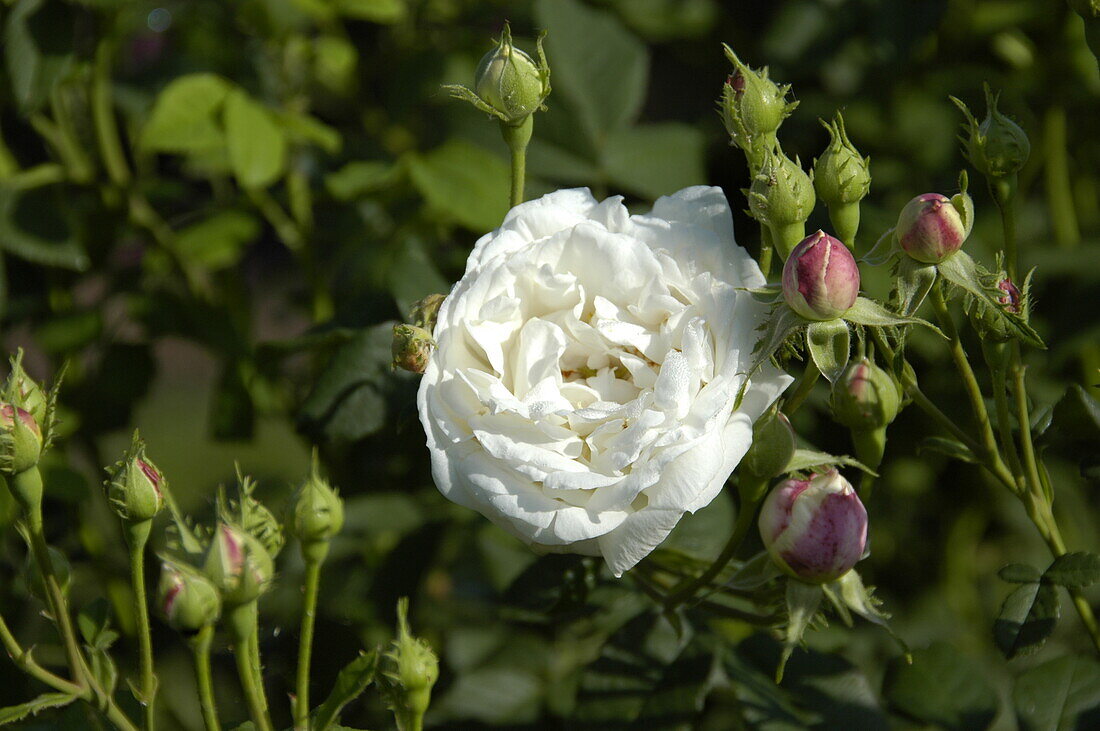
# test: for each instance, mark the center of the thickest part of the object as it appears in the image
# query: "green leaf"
(185, 115)
(1074, 570)
(359, 178)
(257, 145)
(942, 687)
(1026, 620)
(803, 601)
(94, 622)
(861, 600)
(1020, 573)
(219, 241)
(652, 160)
(11, 714)
(830, 344)
(807, 459)
(781, 324)
(949, 447)
(38, 41)
(868, 312)
(349, 398)
(376, 11)
(34, 227)
(350, 684)
(1059, 695)
(598, 65)
(305, 129)
(615, 688)
(414, 275)
(464, 182)
(913, 283)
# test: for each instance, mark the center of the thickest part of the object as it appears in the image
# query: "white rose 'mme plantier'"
(582, 392)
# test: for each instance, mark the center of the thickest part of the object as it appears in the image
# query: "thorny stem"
(200, 648)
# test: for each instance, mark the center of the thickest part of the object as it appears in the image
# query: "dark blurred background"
(231, 295)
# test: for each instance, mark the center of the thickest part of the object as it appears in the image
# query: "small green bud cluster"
(408, 672)
(752, 107)
(413, 343)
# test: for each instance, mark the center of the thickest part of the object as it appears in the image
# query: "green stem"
(305, 643)
(988, 450)
(787, 237)
(1004, 193)
(686, 589)
(284, 225)
(137, 536)
(1004, 424)
(1031, 465)
(200, 648)
(243, 626)
(767, 251)
(1063, 214)
(517, 136)
(26, 662)
(103, 117)
(803, 389)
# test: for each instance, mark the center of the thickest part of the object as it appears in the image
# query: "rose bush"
(582, 391)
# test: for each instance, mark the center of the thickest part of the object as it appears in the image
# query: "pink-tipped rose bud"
(20, 440)
(930, 228)
(815, 529)
(1011, 297)
(820, 278)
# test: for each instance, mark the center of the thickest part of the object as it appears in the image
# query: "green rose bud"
(997, 146)
(20, 440)
(424, 312)
(238, 564)
(412, 346)
(782, 197)
(62, 569)
(508, 83)
(24, 392)
(752, 107)
(842, 179)
(408, 672)
(773, 445)
(865, 397)
(316, 512)
(987, 324)
(134, 485)
(187, 600)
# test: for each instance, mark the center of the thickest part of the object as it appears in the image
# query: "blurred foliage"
(214, 210)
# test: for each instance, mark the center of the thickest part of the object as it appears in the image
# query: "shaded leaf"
(464, 182)
(943, 687)
(11, 714)
(38, 49)
(1027, 618)
(1020, 573)
(359, 178)
(598, 65)
(949, 447)
(1059, 695)
(868, 312)
(34, 227)
(802, 603)
(830, 344)
(1074, 570)
(217, 242)
(652, 160)
(350, 684)
(806, 459)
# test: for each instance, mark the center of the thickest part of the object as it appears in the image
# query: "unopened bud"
(188, 601)
(135, 485)
(782, 197)
(424, 312)
(865, 397)
(317, 512)
(932, 227)
(508, 83)
(842, 178)
(820, 278)
(987, 324)
(997, 146)
(752, 107)
(24, 392)
(773, 445)
(815, 529)
(238, 564)
(20, 440)
(408, 672)
(412, 347)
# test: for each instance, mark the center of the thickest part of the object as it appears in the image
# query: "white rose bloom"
(581, 395)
